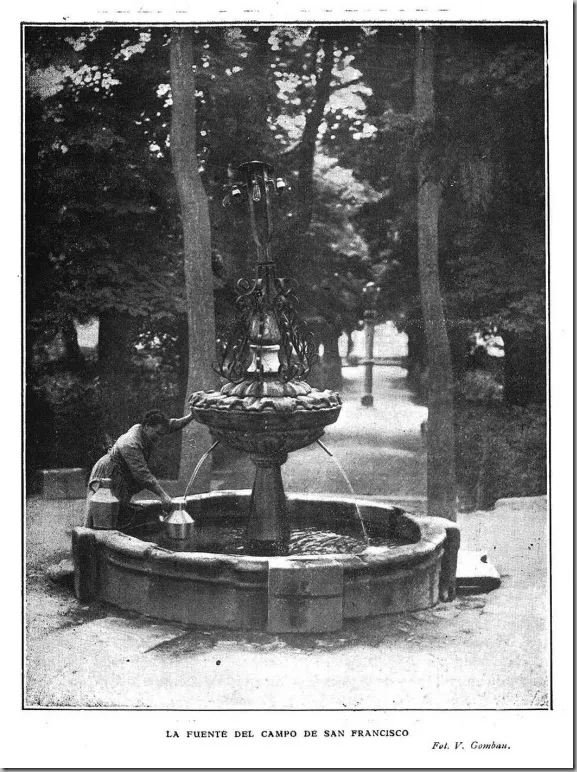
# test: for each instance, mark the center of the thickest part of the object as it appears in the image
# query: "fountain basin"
(267, 424)
(267, 419)
(306, 593)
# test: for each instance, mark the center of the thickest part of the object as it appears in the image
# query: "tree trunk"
(459, 348)
(307, 148)
(441, 484)
(183, 355)
(197, 239)
(293, 247)
(417, 354)
(74, 358)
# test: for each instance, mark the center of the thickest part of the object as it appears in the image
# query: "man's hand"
(166, 501)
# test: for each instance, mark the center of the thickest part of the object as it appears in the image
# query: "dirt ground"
(482, 651)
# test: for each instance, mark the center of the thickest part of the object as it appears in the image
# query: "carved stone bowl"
(270, 417)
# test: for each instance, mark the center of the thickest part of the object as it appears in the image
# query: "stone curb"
(307, 593)
(63, 483)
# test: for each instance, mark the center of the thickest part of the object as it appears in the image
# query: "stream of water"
(349, 486)
(196, 471)
(229, 538)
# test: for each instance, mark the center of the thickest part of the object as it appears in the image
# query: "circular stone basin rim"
(300, 593)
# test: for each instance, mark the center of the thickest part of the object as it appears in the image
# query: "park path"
(486, 651)
(380, 447)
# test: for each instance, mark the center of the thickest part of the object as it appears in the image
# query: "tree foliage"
(332, 108)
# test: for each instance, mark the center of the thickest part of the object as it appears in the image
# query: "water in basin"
(227, 537)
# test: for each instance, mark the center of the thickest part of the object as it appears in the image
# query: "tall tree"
(308, 143)
(441, 485)
(197, 236)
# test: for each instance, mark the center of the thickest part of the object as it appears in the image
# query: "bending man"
(126, 464)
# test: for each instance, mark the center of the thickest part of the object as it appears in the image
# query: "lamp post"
(370, 295)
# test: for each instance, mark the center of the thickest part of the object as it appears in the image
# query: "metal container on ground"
(103, 507)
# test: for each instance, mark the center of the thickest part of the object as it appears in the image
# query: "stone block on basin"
(304, 596)
(63, 483)
(85, 559)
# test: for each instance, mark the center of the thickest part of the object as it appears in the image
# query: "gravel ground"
(482, 651)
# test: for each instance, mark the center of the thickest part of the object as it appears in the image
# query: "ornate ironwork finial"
(254, 183)
(267, 342)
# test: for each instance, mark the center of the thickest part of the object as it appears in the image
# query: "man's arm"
(176, 424)
(133, 455)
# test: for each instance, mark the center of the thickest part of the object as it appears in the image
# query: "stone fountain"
(266, 409)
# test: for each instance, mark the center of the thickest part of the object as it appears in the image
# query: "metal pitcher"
(179, 524)
(103, 506)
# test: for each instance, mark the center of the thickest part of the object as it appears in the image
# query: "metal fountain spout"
(265, 407)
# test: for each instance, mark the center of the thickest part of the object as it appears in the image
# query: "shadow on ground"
(191, 639)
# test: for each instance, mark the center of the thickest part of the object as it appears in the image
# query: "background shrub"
(501, 451)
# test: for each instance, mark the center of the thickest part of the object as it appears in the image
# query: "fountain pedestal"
(266, 408)
(258, 426)
(268, 529)
(268, 428)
